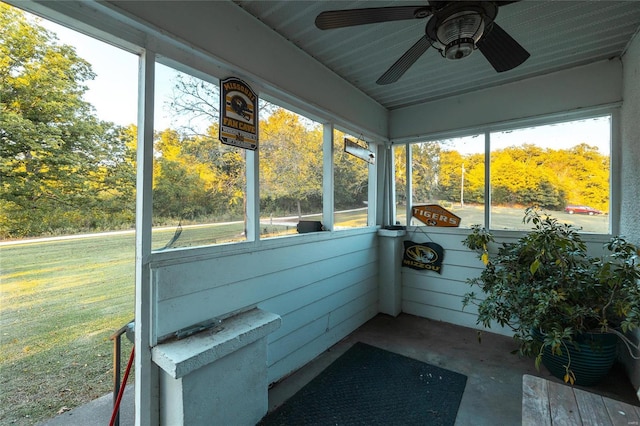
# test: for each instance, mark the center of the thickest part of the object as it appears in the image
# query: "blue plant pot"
(590, 358)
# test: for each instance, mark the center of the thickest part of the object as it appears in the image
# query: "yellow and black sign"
(434, 215)
(238, 114)
(423, 256)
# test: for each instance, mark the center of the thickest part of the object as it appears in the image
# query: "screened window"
(400, 166)
(290, 171)
(564, 168)
(351, 184)
(198, 183)
(450, 173)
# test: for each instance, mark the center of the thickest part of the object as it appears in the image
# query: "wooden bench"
(549, 403)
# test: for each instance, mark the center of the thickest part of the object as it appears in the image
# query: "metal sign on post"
(238, 114)
(361, 152)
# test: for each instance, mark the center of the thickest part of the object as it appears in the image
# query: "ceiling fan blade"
(404, 63)
(350, 17)
(501, 50)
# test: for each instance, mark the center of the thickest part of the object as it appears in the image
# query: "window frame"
(612, 110)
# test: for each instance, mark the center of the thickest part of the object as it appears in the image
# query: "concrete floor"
(493, 394)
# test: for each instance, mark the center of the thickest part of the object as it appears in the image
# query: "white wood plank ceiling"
(558, 34)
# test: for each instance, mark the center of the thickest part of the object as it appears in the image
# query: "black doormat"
(370, 386)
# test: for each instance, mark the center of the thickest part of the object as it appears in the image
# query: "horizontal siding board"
(176, 280)
(462, 318)
(366, 301)
(436, 283)
(463, 258)
(185, 279)
(439, 296)
(449, 272)
(352, 266)
(359, 236)
(284, 303)
(261, 288)
(297, 339)
(219, 301)
(441, 314)
(319, 306)
(305, 354)
(443, 300)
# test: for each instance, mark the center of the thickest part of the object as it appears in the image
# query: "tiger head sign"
(435, 215)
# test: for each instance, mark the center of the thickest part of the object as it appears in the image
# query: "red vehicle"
(582, 210)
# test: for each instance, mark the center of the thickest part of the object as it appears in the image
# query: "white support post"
(386, 202)
(487, 179)
(252, 161)
(392, 185)
(372, 197)
(327, 176)
(146, 383)
(409, 173)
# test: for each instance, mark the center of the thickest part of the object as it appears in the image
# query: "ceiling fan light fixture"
(459, 33)
(459, 49)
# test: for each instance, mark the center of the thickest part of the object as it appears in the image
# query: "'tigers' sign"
(434, 215)
(238, 114)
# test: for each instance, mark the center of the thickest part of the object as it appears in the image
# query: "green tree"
(351, 176)
(399, 158)
(196, 177)
(51, 143)
(291, 162)
(425, 159)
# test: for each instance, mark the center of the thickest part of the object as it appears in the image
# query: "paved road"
(284, 220)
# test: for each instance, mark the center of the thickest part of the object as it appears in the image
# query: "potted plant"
(561, 303)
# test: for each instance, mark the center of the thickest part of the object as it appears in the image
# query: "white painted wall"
(587, 86)
(439, 296)
(323, 285)
(630, 178)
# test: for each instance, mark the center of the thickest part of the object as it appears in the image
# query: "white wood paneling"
(300, 357)
(439, 296)
(201, 274)
(581, 87)
(314, 301)
(323, 288)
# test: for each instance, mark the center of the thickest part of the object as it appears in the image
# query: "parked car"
(582, 210)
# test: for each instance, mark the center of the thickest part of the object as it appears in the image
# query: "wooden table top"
(549, 403)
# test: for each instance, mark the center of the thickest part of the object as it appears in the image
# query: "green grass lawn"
(60, 302)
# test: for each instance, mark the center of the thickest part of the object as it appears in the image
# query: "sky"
(594, 132)
(114, 91)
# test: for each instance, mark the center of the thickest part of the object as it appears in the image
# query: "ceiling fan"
(455, 29)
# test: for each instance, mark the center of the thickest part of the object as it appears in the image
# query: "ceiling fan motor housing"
(456, 29)
(459, 34)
